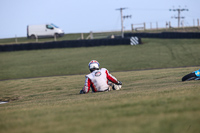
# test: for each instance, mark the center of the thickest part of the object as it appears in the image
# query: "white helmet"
(93, 64)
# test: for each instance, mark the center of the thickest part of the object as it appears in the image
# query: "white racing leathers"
(98, 81)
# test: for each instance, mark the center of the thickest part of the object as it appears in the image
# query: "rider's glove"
(82, 92)
(119, 83)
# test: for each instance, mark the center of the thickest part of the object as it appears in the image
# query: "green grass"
(150, 101)
(153, 101)
(74, 36)
(153, 53)
(20, 40)
(97, 35)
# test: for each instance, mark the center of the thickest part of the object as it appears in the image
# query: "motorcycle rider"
(99, 80)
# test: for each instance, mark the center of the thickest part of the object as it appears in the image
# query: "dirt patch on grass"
(8, 99)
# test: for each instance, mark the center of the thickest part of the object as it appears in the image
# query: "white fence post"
(36, 38)
(82, 36)
(144, 26)
(55, 37)
(16, 39)
(132, 27)
(91, 34)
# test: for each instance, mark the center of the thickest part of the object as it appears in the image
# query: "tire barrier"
(167, 35)
(66, 44)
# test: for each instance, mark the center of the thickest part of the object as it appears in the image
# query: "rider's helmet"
(93, 65)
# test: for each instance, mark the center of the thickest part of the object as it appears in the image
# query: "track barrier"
(67, 44)
(130, 39)
(167, 35)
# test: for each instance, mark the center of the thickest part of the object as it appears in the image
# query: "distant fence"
(67, 44)
(171, 35)
(128, 40)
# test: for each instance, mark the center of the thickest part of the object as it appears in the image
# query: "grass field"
(20, 40)
(153, 101)
(43, 86)
(96, 35)
(153, 53)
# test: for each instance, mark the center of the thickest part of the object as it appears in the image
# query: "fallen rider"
(99, 80)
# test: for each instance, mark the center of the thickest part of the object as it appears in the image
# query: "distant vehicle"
(44, 30)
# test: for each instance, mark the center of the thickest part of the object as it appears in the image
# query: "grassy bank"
(19, 40)
(96, 35)
(153, 101)
(153, 53)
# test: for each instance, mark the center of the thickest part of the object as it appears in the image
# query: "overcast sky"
(82, 16)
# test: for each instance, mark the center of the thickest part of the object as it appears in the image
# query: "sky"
(83, 16)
